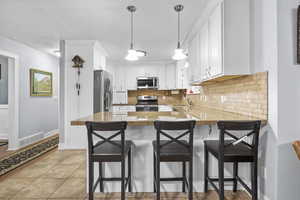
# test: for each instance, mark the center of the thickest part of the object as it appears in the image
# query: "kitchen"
(174, 99)
(208, 80)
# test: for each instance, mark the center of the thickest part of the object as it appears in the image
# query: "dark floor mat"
(27, 154)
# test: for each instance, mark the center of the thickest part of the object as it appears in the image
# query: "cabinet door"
(193, 60)
(170, 76)
(161, 77)
(130, 77)
(215, 42)
(203, 51)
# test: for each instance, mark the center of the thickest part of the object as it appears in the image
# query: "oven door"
(146, 108)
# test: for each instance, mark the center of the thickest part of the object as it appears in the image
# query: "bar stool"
(108, 150)
(173, 150)
(235, 150)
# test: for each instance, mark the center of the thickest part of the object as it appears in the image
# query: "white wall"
(288, 100)
(37, 114)
(73, 106)
(264, 58)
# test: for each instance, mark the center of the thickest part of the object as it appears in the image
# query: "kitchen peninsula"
(141, 131)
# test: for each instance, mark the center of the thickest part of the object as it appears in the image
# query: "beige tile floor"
(60, 175)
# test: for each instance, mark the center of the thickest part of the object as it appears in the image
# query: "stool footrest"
(212, 180)
(225, 179)
(110, 179)
(173, 179)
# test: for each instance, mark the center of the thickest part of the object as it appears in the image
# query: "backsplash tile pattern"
(165, 97)
(247, 95)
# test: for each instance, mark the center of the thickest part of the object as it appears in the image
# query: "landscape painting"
(40, 83)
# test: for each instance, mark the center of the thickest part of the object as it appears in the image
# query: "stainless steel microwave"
(147, 83)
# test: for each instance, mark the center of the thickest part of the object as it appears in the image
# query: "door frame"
(13, 99)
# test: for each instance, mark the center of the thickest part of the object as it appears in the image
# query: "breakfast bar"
(141, 132)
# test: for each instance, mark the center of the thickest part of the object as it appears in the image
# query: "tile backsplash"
(165, 97)
(246, 95)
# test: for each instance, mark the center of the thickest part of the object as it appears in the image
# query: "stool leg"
(191, 179)
(254, 180)
(101, 176)
(221, 179)
(235, 174)
(205, 169)
(123, 179)
(91, 180)
(157, 177)
(184, 176)
(129, 172)
(154, 171)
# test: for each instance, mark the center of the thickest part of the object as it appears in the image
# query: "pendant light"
(132, 54)
(178, 52)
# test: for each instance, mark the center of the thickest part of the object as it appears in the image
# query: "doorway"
(9, 101)
(3, 104)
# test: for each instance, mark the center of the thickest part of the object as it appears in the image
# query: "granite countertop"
(202, 115)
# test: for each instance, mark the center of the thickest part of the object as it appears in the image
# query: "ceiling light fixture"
(57, 53)
(133, 55)
(178, 52)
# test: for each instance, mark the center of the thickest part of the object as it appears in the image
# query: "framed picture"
(40, 83)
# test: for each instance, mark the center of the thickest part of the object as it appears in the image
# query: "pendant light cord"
(178, 44)
(131, 44)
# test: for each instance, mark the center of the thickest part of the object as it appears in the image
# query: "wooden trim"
(296, 146)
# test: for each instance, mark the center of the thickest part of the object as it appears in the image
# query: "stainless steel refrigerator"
(102, 91)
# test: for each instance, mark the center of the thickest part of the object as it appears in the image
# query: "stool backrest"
(118, 127)
(252, 128)
(186, 126)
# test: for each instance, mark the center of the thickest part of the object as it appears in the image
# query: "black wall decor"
(78, 63)
(298, 35)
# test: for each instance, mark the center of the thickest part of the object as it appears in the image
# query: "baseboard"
(3, 136)
(28, 140)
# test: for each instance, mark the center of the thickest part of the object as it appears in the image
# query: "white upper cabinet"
(170, 77)
(181, 75)
(215, 43)
(203, 52)
(223, 45)
(193, 59)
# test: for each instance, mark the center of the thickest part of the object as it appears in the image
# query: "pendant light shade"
(132, 54)
(179, 55)
(179, 52)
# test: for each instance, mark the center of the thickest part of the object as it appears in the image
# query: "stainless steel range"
(147, 103)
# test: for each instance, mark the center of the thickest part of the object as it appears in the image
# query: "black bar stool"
(235, 150)
(174, 150)
(108, 150)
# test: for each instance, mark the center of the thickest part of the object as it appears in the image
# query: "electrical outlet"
(223, 99)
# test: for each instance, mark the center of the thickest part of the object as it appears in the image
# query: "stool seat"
(110, 152)
(232, 153)
(172, 152)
